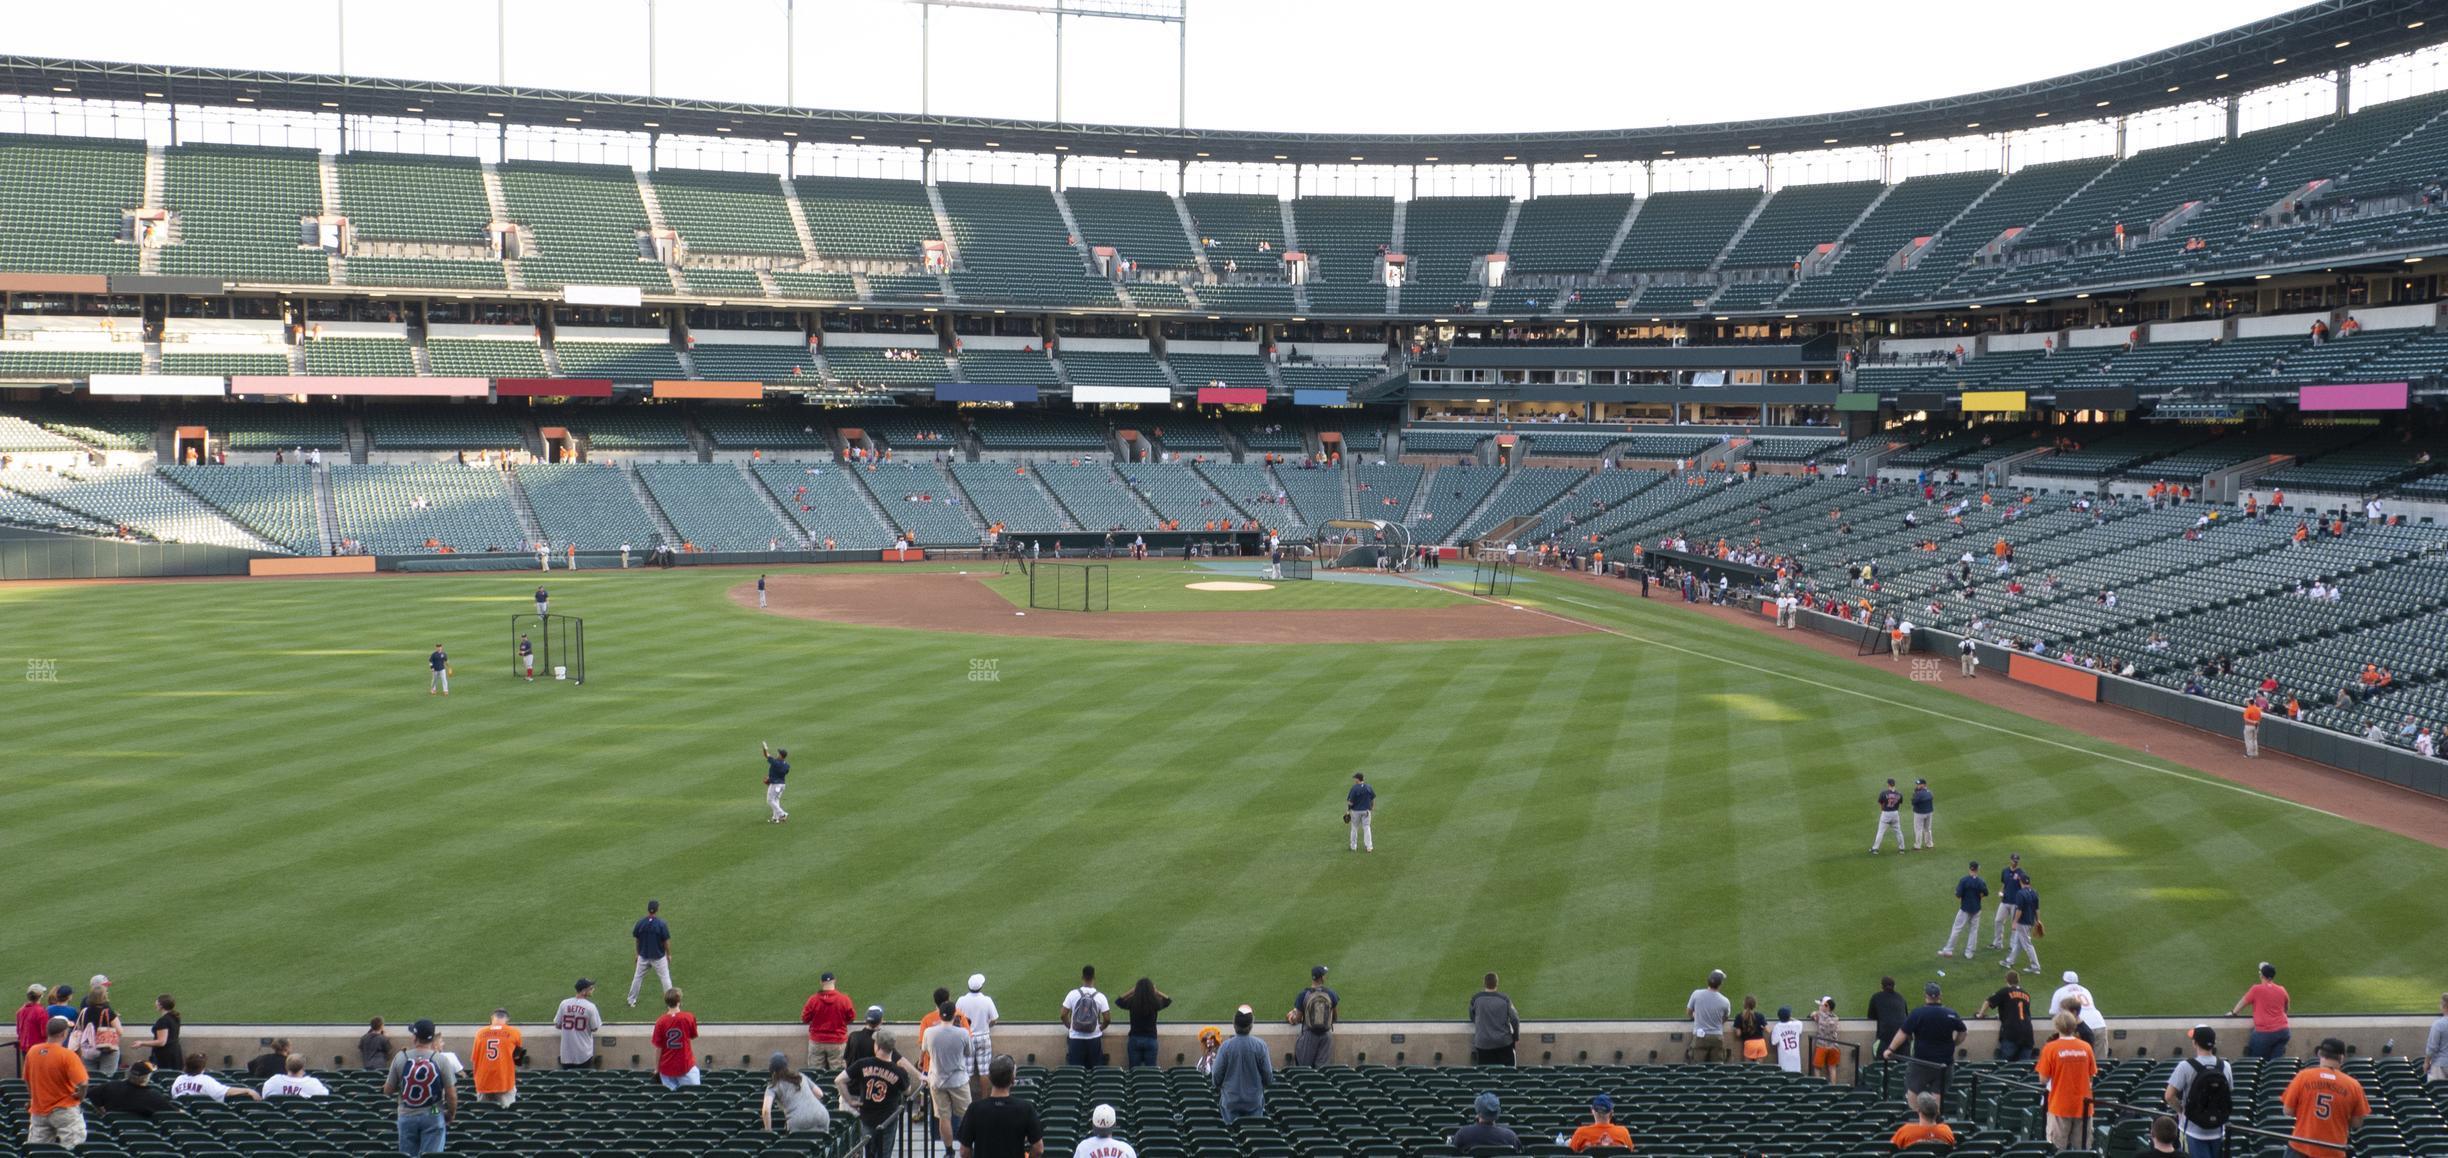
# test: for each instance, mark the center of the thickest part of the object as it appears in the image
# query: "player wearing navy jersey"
(542, 602)
(1891, 819)
(777, 770)
(760, 591)
(2027, 926)
(2011, 880)
(527, 656)
(1968, 894)
(1925, 816)
(1358, 805)
(440, 661)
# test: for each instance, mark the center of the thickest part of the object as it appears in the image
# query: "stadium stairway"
(646, 501)
(523, 507)
(756, 484)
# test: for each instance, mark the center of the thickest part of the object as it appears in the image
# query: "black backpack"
(2209, 1100)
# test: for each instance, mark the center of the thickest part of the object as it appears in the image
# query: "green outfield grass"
(239, 792)
(1158, 586)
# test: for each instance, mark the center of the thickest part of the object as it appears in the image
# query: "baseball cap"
(1602, 1102)
(2204, 1036)
(1487, 1106)
(2330, 1047)
(1102, 1117)
(2071, 979)
(1785, 1013)
(423, 1030)
(1918, 780)
(779, 1061)
(1317, 971)
(977, 982)
(875, 1013)
(828, 976)
(585, 983)
(1930, 989)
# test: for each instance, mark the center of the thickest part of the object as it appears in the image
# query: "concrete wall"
(1415, 1043)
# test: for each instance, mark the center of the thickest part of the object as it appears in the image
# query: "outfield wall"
(2401, 767)
(32, 554)
(1411, 1043)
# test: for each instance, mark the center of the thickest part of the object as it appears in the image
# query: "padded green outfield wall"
(31, 554)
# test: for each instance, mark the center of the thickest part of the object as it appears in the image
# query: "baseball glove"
(1347, 818)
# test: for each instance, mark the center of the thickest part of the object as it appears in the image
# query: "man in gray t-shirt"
(1709, 1009)
(948, 1048)
(425, 1080)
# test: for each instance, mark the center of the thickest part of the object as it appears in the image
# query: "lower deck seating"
(922, 502)
(1004, 493)
(276, 502)
(713, 506)
(589, 505)
(136, 497)
(406, 510)
(825, 500)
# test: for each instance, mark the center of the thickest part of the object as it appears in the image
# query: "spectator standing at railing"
(2268, 1001)
(1708, 1008)
(1000, 1125)
(1935, 1032)
(1242, 1071)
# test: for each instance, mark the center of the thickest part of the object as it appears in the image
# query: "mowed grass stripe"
(1599, 818)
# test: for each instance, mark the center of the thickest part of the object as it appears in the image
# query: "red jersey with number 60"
(672, 1034)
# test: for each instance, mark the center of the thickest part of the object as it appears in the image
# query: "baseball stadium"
(818, 573)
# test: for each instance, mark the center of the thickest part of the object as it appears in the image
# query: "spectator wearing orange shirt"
(55, 1089)
(497, 1050)
(1601, 1133)
(2067, 1065)
(2326, 1103)
(2252, 729)
(1926, 1129)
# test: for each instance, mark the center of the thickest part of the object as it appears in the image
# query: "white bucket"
(560, 672)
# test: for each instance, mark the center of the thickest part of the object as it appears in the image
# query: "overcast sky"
(1318, 65)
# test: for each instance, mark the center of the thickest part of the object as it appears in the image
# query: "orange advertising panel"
(904, 555)
(740, 391)
(2056, 677)
(312, 565)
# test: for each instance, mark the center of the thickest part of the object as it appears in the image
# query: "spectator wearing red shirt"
(32, 1017)
(2268, 1000)
(675, 1058)
(827, 1015)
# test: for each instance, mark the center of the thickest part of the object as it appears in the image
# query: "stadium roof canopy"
(2311, 40)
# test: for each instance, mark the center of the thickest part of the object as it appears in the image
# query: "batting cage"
(1069, 586)
(1299, 562)
(558, 643)
(1491, 577)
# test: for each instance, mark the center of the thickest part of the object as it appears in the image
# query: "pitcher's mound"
(942, 601)
(1228, 585)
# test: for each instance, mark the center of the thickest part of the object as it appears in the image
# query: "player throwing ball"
(527, 655)
(777, 770)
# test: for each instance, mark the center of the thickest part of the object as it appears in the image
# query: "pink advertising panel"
(363, 387)
(2360, 396)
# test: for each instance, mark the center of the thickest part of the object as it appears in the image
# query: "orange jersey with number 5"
(496, 1064)
(2326, 1105)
